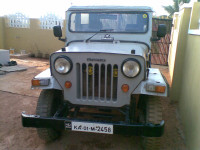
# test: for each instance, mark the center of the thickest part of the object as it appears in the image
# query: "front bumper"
(147, 130)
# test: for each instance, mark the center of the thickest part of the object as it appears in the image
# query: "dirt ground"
(16, 96)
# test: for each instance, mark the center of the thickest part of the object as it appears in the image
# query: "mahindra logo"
(96, 59)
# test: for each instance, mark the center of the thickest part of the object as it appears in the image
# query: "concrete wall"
(177, 50)
(34, 40)
(2, 34)
(189, 105)
(185, 78)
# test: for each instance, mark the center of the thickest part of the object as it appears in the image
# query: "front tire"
(153, 113)
(48, 103)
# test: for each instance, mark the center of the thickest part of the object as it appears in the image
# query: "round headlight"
(131, 68)
(63, 65)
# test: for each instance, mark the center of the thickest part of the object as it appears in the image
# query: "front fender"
(46, 75)
(155, 78)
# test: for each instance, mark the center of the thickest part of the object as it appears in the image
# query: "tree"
(171, 9)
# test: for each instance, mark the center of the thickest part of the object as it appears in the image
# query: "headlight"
(131, 68)
(63, 65)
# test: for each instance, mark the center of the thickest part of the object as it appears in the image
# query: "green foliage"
(185, 1)
(171, 9)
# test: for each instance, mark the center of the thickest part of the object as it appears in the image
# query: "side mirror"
(162, 30)
(57, 31)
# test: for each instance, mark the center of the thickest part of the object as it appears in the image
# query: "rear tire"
(153, 115)
(48, 103)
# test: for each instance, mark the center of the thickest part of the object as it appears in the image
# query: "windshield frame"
(125, 12)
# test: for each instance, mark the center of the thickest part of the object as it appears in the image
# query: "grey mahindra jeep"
(102, 80)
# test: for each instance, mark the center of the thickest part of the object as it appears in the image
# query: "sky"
(39, 8)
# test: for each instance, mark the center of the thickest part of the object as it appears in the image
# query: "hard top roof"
(110, 8)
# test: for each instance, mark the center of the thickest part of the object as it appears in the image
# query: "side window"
(84, 22)
(81, 22)
(84, 18)
(72, 26)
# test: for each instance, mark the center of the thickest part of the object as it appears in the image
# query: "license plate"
(92, 127)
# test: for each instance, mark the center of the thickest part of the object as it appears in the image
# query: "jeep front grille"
(97, 81)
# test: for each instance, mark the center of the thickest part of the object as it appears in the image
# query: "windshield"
(135, 22)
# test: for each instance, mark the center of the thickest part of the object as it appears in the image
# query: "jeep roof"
(115, 8)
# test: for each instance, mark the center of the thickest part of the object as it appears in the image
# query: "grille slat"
(108, 85)
(115, 78)
(99, 90)
(111, 84)
(93, 82)
(86, 88)
(97, 81)
(102, 81)
(105, 90)
(79, 80)
(84, 81)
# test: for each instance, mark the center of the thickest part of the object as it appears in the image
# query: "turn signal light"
(155, 88)
(35, 82)
(160, 89)
(125, 88)
(68, 84)
(40, 82)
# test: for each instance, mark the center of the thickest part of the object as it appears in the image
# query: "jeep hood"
(102, 47)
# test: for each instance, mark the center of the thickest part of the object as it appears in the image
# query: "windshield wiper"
(103, 30)
(106, 30)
